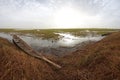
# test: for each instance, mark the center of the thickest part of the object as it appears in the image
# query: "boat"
(30, 51)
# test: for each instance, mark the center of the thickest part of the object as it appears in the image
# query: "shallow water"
(69, 40)
(66, 42)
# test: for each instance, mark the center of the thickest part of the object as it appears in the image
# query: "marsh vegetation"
(50, 33)
(57, 41)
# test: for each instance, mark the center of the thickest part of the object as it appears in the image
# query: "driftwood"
(26, 48)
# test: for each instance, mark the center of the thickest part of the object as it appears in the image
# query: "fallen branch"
(26, 48)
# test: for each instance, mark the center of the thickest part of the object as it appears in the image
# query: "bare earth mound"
(98, 61)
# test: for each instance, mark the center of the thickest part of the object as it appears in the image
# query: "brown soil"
(98, 61)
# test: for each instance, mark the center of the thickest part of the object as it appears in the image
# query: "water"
(69, 40)
(66, 43)
(7, 36)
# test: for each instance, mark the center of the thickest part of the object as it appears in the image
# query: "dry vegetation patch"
(97, 61)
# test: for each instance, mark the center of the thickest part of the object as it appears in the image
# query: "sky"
(43, 14)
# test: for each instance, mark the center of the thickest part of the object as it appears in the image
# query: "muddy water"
(65, 44)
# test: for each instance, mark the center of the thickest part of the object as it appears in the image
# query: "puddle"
(65, 44)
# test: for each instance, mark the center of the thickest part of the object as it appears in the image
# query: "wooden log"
(26, 48)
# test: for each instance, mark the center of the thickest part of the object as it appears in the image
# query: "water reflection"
(7, 36)
(69, 40)
(66, 43)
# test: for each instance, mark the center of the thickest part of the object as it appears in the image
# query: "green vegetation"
(50, 33)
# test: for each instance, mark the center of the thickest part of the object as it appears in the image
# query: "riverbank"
(97, 61)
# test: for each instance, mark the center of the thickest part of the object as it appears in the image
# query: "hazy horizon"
(58, 14)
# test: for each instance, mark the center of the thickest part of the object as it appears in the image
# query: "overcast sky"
(59, 13)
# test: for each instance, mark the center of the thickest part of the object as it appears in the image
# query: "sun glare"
(70, 18)
(67, 17)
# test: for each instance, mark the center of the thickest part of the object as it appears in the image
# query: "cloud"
(40, 13)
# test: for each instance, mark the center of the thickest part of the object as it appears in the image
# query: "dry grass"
(16, 65)
(97, 61)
